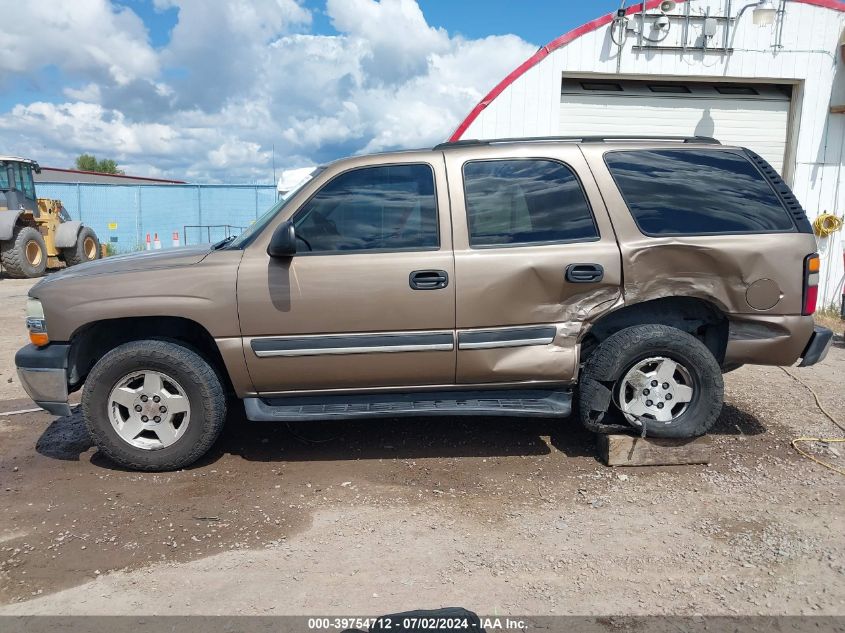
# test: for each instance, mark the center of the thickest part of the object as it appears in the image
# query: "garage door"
(751, 115)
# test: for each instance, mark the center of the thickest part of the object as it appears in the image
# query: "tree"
(87, 162)
(108, 166)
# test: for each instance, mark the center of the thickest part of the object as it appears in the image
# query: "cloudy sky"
(201, 90)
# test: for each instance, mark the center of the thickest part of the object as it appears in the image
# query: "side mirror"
(283, 242)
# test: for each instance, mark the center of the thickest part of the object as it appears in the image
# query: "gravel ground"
(501, 516)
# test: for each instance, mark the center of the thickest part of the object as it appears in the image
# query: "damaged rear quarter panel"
(717, 268)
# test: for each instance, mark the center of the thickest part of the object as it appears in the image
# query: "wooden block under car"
(628, 450)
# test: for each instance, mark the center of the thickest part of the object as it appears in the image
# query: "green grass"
(829, 316)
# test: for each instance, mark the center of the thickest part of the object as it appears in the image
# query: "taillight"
(812, 265)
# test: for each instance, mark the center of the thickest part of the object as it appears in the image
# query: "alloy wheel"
(656, 388)
(149, 410)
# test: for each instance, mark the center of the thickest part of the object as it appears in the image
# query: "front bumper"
(818, 346)
(43, 374)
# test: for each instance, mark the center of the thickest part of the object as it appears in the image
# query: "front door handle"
(584, 273)
(428, 279)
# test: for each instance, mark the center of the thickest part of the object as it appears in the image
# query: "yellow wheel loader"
(37, 233)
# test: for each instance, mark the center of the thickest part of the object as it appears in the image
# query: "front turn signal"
(40, 339)
(36, 323)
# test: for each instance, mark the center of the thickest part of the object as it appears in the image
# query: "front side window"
(18, 176)
(389, 207)
(696, 192)
(525, 201)
(26, 182)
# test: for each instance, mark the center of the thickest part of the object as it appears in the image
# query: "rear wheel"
(654, 376)
(25, 255)
(87, 248)
(153, 405)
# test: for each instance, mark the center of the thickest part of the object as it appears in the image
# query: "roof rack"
(577, 139)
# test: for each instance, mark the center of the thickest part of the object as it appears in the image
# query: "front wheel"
(153, 405)
(86, 249)
(652, 376)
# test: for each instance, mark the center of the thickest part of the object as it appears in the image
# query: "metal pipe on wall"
(641, 34)
(782, 19)
(728, 24)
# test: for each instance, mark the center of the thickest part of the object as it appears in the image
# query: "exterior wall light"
(764, 13)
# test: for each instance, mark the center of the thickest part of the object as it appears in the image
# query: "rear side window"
(696, 192)
(529, 201)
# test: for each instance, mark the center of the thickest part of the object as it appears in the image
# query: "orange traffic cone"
(175, 238)
(149, 246)
(156, 242)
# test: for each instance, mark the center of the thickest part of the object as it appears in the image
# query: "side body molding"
(353, 344)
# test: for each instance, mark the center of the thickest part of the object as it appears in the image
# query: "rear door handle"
(584, 273)
(428, 279)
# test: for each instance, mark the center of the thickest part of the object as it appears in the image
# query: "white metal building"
(766, 75)
(291, 178)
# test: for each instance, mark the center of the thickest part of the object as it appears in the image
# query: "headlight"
(35, 322)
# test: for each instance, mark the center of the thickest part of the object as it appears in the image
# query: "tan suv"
(476, 278)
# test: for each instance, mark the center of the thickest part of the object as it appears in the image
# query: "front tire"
(652, 375)
(153, 405)
(87, 248)
(25, 255)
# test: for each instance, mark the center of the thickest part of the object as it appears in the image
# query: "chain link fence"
(123, 215)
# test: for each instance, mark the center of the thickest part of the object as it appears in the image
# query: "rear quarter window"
(696, 192)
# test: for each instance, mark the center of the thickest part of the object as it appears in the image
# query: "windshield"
(256, 227)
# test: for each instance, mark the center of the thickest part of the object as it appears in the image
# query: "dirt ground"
(12, 333)
(500, 516)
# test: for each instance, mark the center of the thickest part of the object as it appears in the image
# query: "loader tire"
(25, 255)
(87, 248)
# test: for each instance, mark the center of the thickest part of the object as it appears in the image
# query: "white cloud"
(195, 151)
(234, 153)
(239, 77)
(90, 37)
(88, 125)
(89, 93)
(220, 47)
(394, 34)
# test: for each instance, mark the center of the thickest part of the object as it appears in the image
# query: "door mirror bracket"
(283, 242)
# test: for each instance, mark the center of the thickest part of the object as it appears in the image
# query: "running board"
(516, 403)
